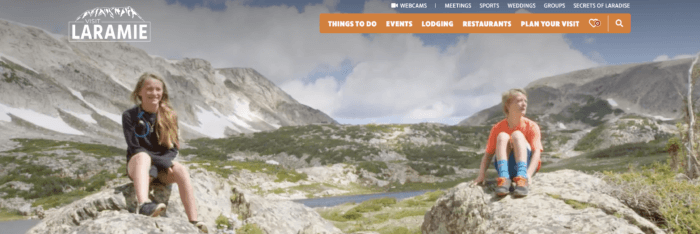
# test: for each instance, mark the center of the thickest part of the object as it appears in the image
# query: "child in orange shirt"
(516, 142)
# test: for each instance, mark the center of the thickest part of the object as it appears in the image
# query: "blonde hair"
(166, 121)
(506, 96)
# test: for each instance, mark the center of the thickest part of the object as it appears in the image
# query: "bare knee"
(139, 161)
(179, 171)
(140, 158)
(502, 138)
(518, 138)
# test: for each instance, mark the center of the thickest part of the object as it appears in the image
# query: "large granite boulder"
(111, 211)
(564, 201)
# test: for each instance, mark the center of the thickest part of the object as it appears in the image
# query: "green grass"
(374, 204)
(312, 140)
(398, 230)
(60, 199)
(407, 213)
(39, 146)
(48, 187)
(432, 169)
(381, 215)
(616, 164)
(440, 154)
(226, 168)
(573, 203)
(654, 193)
(591, 140)
(397, 187)
(249, 228)
(318, 142)
(7, 215)
(222, 222)
(290, 175)
(339, 216)
(372, 166)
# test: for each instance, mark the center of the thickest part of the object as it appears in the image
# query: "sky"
(382, 78)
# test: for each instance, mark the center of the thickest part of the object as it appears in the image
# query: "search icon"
(618, 22)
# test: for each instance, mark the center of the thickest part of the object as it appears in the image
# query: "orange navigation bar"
(475, 23)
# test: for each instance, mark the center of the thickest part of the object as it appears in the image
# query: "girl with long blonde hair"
(151, 133)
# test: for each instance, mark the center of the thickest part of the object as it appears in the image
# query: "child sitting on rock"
(516, 142)
(151, 133)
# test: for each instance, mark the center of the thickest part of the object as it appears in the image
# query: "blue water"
(334, 201)
(18, 226)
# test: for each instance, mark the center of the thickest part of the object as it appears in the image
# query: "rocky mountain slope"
(649, 89)
(50, 86)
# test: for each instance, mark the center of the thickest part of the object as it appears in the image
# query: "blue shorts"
(511, 163)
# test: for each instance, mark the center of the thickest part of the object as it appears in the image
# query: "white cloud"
(664, 57)
(322, 94)
(589, 40)
(435, 111)
(394, 76)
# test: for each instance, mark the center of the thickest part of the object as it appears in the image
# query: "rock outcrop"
(564, 201)
(111, 211)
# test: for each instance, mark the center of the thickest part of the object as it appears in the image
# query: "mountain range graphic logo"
(110, 12)
(110, 24)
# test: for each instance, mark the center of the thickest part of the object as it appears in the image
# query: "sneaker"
(520, 186)
(200, 225)
(503, 186)
(151, 209)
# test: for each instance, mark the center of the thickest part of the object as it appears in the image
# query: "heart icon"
(594, 22)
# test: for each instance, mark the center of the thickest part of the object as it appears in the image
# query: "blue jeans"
(511, 163)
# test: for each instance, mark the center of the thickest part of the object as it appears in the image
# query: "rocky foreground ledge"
(564, 201)
(111, 211)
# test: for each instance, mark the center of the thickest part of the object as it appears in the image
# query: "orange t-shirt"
(528, 127)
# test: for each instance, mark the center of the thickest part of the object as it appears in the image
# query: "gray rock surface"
(111, 211)
(476, 209)
(280, 216)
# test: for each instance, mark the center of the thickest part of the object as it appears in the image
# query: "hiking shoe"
(520, 186)
(200, 225)
(503, 186)
(151, 209)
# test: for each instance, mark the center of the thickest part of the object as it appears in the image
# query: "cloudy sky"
(382, 78)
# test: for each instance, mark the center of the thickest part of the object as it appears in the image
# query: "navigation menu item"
(531, 5)
(458, 5)
(475, 23)
(488, 5)
(554, 5)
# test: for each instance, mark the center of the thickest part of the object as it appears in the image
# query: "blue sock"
(522, 169)
(502, 167)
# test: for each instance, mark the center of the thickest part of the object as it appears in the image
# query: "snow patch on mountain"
(214, 124)
(38, 119)
(85, 117)
(116, 118)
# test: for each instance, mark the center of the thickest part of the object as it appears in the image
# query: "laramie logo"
(108, 24)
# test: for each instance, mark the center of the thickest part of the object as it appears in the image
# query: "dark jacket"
(140, 137)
